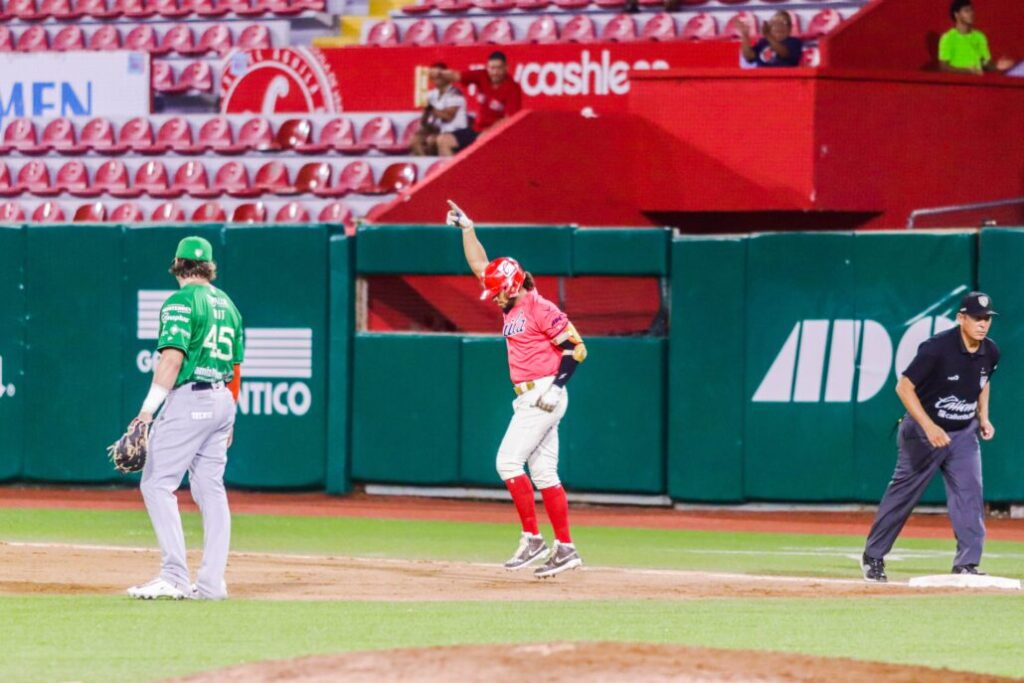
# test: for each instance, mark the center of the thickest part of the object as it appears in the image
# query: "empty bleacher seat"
(823, 22)
(421, 32)
(459, 32)
(11, 213)
(701, 26)
(90, 213)
(249, 213)
(128, 212)
(579, 29)
(659, 27)
(620, 28)
(732, 31)
(383, 34)
(292, 212)
(48, 212)
(497, 32)
(394, 178)
(210, 212)
(543, 29)
(169, 212)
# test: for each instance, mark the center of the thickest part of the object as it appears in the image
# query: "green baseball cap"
(195, 249)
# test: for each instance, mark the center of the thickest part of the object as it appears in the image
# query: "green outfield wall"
(775, 382)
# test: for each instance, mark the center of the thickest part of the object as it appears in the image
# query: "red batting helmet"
(503, 274)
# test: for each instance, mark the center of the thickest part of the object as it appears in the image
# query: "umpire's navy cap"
(977, 305)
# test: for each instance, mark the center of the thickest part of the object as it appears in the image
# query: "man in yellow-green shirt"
(964, 49)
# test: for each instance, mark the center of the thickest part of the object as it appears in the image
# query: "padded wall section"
(486, 408)
(339, 364)
(12, 343)
(633, 251)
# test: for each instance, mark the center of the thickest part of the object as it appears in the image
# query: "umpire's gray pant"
(191, 435)
(960, 463)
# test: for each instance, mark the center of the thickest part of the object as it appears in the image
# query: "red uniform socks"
(557, 507)
(522, 495)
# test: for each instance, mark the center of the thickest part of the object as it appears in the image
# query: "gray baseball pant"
(960, 463)
(191, 435)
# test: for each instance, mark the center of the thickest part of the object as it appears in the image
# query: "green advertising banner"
(74, 360)
(12, 342)
(1001, 252)
(278, 278)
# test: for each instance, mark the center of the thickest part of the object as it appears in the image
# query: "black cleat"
(968, 569)
(874, 569)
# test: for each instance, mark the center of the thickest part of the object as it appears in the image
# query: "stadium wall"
(775, 382)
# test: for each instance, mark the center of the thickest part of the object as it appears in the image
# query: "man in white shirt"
(444, 126)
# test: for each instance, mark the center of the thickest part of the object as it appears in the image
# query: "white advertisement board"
(73, 84)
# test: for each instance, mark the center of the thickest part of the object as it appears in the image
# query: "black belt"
(202, 386)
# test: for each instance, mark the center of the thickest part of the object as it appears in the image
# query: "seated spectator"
(964, 49)
(444, 126)
(776, 46)
(497, 96)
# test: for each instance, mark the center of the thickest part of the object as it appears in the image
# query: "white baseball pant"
(532, 438)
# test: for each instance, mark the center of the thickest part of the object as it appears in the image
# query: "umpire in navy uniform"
(945, 390)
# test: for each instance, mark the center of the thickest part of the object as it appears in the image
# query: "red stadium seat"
(742, 2)
(377, 132)
(106, 37)
(823, 22)
(210, 212)
(69, 38)
(168, 212)
(24, 10)
(162, 77)
(459, 32)
(197, 76)
(355, 177)
(732, 31)
(497, 32)
(532, 5)
(215, 39)
(233, 179)
(207, 8)
(7, 187)
(12, 213)
(383, 34)
(810, 57)
(620, 29)
(62, 10)
(293, 133)
(255, 37)
(6, 40)
(659, 27)
(48, 212)
(579, 29)
(701, 26)
(272, 177)
(292, 212)
(542, 30)
(257, 135)
(646, 5)
(453, 6)
(337, 135)
(72, 177)
(126, 213)
(191, 178)
(34, 178)
(175, 135)
(97, 9)
(337, 213)
(404, 143)
(250, 213)
(313, 5)
(153, 179)
(135, 9)
(141, 38)
(112, 177)
(571, 4)
(495, 5)
(137, 135)
(312, 177)
(247, 8)
(33, 39)
(421, 32)
(435, 167)
(216, 136)
(396, 177)
(794, 22)
(611, 5)
(90, 213)
(285, 8)
(421, 7)
(20, 136)
(178, 39)
(98, 135)
(169, 9)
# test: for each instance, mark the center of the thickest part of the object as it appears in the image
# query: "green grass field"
(116, 639)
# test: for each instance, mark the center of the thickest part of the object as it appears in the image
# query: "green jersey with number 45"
(202, 322)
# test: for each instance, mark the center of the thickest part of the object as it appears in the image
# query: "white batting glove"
(550, 399)
(457, 217)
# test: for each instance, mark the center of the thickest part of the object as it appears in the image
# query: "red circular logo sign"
(277, 81)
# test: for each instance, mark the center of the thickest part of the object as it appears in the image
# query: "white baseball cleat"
(156, 589)
(194, 593)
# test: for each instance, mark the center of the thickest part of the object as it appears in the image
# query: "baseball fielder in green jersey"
(196, 380)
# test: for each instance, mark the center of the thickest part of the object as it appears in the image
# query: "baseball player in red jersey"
(543, 352)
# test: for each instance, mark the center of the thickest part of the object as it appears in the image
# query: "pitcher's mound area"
(574, 662)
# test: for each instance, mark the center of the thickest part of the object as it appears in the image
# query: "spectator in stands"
(497, 96)
(964, 49)
(444, 126)
(777, 47)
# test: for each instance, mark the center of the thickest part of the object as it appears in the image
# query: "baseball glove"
(129, 452)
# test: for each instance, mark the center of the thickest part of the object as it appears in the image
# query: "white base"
(965, 581)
